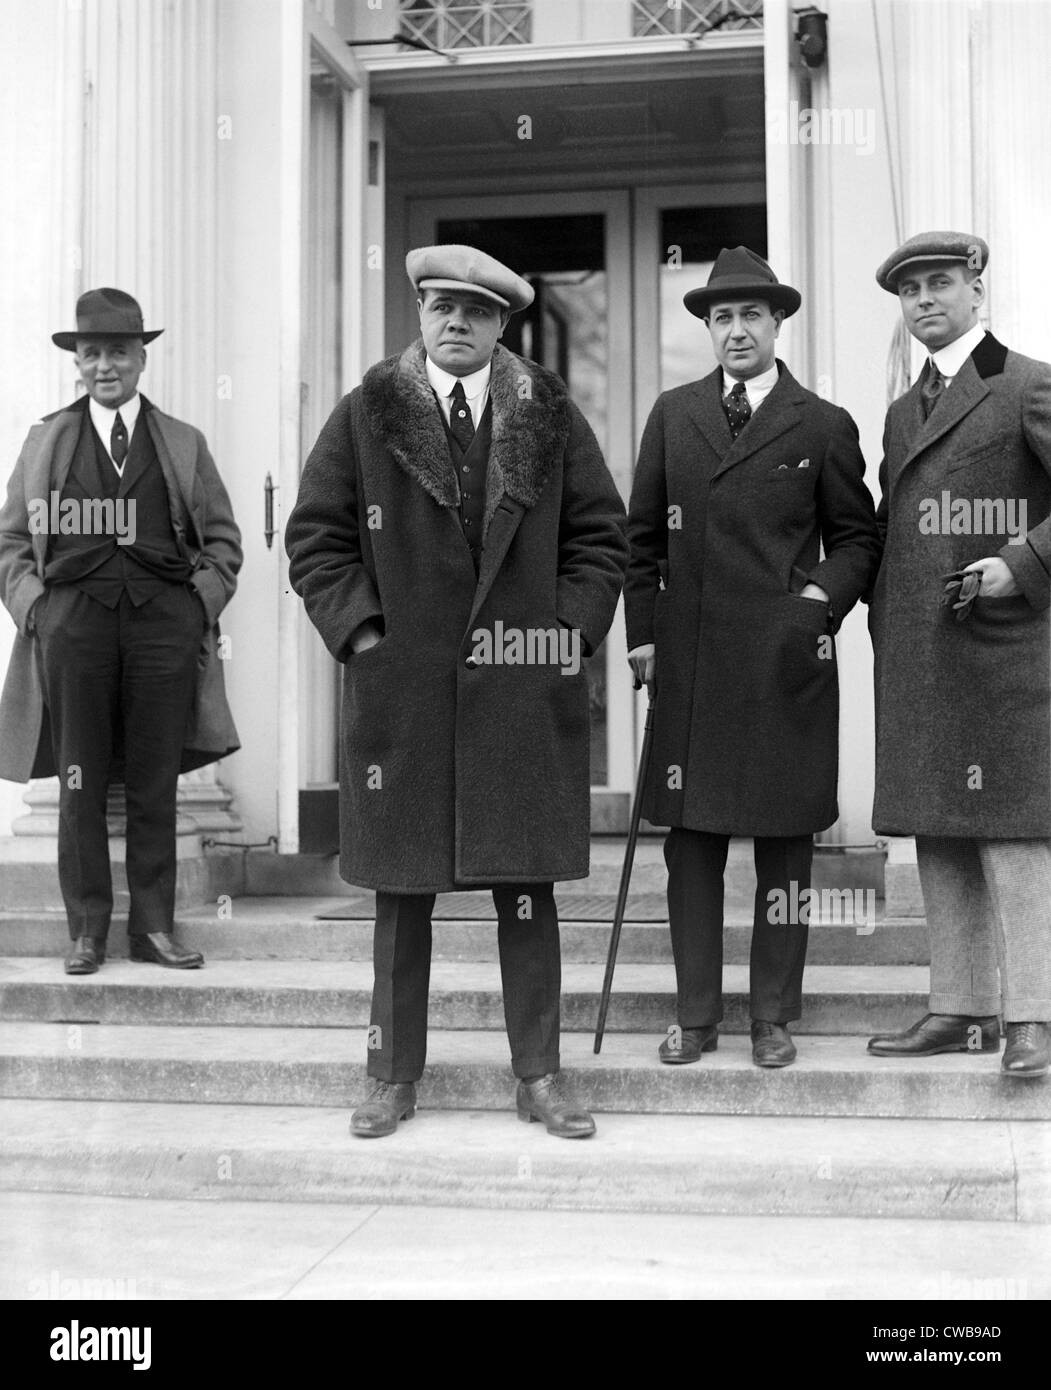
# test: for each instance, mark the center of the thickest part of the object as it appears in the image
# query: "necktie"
(460, 422)
(738, 411)
(932, 389)
(118, 442)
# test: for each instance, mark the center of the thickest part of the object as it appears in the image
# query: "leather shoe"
(936, 1033)
(691, 1043)
(85, 955)
(386, 1104)
(1027, 1053)
(771, 1044)
(545, 1099)
(158, 948)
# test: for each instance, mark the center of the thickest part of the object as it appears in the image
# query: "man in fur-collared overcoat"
(459, 544)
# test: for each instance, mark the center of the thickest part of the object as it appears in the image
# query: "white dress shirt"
(102, 417)
(951, 358)
(757, 388)
(475, 388)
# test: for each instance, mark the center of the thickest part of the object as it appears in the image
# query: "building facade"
(255, 170)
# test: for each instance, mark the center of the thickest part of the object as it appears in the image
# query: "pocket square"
(803, 463)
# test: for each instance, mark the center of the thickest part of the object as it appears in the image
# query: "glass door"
(574, 249)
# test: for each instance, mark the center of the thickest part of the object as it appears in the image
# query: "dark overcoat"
(724, 535)
(454, 773)
(963, 708)
(207, 537)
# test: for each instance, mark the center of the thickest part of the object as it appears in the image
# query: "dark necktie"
(460, 422)
(932, 389)
(738, 411)
(118, 442)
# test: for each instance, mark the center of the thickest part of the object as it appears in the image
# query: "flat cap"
(933, 246)
(467, 268)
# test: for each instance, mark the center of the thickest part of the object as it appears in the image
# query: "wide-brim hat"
(933, 247)
(741, 274)
(467, 268)
(106, 313)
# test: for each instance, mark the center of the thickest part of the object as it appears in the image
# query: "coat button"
(471, 662)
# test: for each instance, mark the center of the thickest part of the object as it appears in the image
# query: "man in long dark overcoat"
(963, 687)
(743, 479)
(118, 552)
(458, 543)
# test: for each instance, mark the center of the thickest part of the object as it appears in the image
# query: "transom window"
(663, 17)
(456, 24)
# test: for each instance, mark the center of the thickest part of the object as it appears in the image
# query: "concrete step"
(470, 1071)
(464, 995)
(989, 1170)
(283, 928)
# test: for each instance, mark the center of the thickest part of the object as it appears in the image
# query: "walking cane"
(625, 877)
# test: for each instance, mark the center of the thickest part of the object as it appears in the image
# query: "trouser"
(106, 672)
(988, 905)
(530, 969)
(696, 860)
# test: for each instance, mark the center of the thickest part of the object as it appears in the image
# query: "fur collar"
(531, 418)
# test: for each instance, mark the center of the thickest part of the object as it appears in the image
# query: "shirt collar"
(102, 417)
(763, 382)
(473, 385)
(951, 358)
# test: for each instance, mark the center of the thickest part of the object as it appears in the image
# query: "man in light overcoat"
(118, 552)
(960, 624)
(459, 545)
(752, 536)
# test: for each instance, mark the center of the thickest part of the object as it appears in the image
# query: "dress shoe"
(85, 955)
(1027, 1053)
(691, 1043)
(158, 948)
(771, 1044)
(545, 1099)
(386, 1104)
(939, 1033)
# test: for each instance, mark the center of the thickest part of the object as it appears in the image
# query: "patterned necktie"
(460, 422)
(932, 389)
(738, 411)
(118, 442)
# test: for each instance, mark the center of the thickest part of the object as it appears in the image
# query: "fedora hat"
(741, 274)
(106, 313)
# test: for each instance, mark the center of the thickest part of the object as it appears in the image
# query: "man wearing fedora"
(743, 479)
(459, 545)
(118, 551)
(960, 625)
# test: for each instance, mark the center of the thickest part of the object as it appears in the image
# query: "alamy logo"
(823, 125)
(86, 516)
(76, 1343)
(855, 907)
(980, 516)
(531, 646)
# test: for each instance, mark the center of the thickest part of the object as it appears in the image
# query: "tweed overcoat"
(207, 537)
(454, 773)
(724, 535)
(962, 708)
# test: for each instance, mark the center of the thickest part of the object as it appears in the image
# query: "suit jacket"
(963, 708)
(724, 535)
(206, 534)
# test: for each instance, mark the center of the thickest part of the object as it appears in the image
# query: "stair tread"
(263, 911)
(446, 976)
(628, 1053)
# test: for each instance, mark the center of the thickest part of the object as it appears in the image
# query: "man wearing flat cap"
(960, 625)
(118, 551)
(743, 480)
(458, 543)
